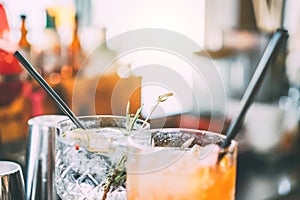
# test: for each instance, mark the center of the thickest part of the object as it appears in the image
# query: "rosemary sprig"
(128, 117)
(130, 121)
(117, 174)
(116, 177)
(160, 99)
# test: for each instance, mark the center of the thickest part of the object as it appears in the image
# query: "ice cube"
(102, 140)
(79, 134)
(111, 132)
(98, 142)
(118, 194)
(208, 155)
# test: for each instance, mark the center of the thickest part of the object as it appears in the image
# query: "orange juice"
(168, 173)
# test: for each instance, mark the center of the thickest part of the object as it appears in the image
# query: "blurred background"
(69, 42)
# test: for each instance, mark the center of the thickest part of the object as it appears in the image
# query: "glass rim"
(174, 151)
(49, 120)
(98, 116)
(234, 143)
(9, 167)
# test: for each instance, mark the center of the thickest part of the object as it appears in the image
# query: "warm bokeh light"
(54, 78)
(66, 72)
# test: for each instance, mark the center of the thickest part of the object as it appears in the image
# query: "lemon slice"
(94, 141)
(78, 134)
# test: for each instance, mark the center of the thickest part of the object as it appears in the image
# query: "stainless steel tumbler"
(40, 157)
(12, 182)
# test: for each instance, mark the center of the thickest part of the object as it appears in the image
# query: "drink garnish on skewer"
(117, 174)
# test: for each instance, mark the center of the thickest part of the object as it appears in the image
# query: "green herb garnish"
(115, 178)
(117, 174)
(160, 99)
(130, 121)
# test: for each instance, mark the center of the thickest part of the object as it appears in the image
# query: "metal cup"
(40, 157)
(12, 182)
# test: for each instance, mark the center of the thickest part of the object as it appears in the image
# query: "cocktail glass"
(181, 164)
(85, 159)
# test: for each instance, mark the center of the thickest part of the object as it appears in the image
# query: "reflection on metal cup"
(40, 157)
(12, 182)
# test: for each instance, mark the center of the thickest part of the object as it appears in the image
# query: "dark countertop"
(262, 179)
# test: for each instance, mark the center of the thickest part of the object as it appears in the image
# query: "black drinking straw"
(276, 42)
(62, 105)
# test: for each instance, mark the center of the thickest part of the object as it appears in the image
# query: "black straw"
(277, 41)
(62, 105)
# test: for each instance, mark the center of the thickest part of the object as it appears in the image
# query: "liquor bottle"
(112, 91)
(31, 90)
(50, 62)
(50, 58)
(75, 52)
(23, 42)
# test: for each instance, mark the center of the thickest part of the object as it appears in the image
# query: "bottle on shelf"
(111, 92)
(75, 54)
(24, 45)
(31, 89)
(50, 57)
(51, 62)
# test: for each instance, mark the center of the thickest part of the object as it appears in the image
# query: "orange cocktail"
(181, 164)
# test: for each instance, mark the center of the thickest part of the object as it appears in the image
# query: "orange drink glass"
(181, 164)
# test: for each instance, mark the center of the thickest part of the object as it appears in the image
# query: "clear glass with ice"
(181, 164)
(85, 158)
